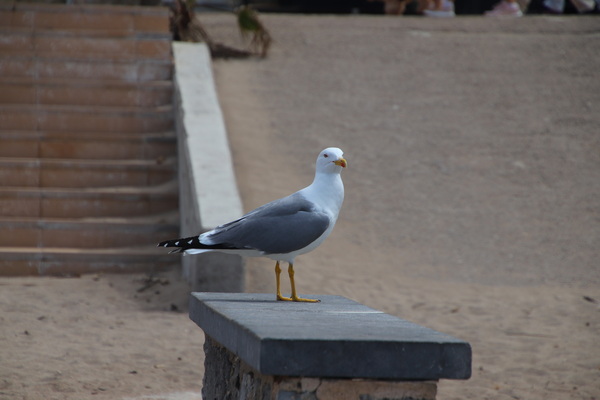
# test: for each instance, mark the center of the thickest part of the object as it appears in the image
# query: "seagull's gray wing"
(279, 227)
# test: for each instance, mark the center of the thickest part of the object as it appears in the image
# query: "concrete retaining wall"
(208, 190)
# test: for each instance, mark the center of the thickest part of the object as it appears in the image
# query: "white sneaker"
(505, 9)
(446, 11)
(438, 13)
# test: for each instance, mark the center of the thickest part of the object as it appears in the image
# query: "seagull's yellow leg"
(294, 295)
(277, 274)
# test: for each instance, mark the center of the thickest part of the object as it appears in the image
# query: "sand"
(472, 207)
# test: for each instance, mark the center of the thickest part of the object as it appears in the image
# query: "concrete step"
(88, 145)
(18, 261)
(76, 173)
(82, 203)
(87, 233)
(104, 18)
(86, 118)
(85, 92)
(88, 154)
(81, 67)
(52, 43)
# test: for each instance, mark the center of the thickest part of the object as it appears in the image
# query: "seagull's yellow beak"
(341, 162)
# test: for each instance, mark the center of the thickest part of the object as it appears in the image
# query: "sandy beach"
(472, 207)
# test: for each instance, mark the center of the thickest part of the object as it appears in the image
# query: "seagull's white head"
(331, 160)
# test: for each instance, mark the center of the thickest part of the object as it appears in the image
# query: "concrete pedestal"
(259, 348)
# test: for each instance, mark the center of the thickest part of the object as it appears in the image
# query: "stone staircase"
(88, 170)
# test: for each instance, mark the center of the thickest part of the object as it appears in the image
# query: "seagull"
(281, 229)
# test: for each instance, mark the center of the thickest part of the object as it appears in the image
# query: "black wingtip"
(169, 243)
(182, 243)
(192, 242)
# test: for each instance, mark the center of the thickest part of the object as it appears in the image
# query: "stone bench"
(259, 348)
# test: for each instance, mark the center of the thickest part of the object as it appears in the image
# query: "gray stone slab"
(337, 337)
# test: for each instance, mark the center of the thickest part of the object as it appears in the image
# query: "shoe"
(438, 13)
(446, 11)
(505, 9)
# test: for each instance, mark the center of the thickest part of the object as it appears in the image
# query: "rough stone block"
(228, 377)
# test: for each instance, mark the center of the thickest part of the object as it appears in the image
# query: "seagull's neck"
(327, 190)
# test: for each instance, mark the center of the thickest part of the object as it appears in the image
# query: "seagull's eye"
(325, 155)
